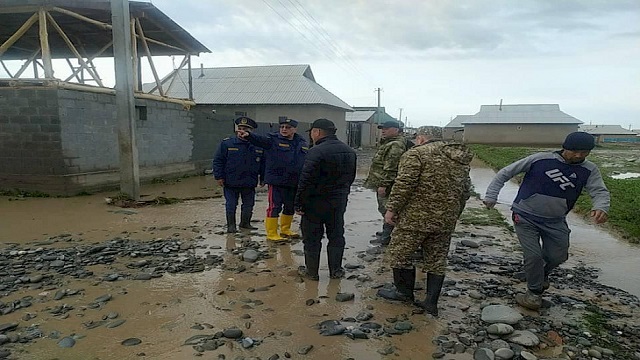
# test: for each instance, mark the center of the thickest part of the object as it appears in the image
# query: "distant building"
(454, 129)
(362, 126)
(610, 133)
(522, 124)
(263, 93)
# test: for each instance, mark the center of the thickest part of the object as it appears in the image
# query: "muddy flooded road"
(618, 260)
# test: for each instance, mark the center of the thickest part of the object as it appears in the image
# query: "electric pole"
(125, 101)
(378, 115)
(400, 117)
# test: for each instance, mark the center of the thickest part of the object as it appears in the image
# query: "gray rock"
(499, 344)
(483, 354)
(143, 276)
(595, 353)
(470, 243)
(500, 329)
(524, 338)
(453, 293)
(500, 314)
(364, 316)
(387, 350)
(250, 255)
(66, 342)
(232, 333)
(403, 326)
(247, 342)
(528, 356)
(8, 327)
(115, 324)
(57, 264)
(504, 354)
(4, 353)
(103, 298)
(477, 295)
(4, 339)
(342, 297)
(131, 342)
(304, 350)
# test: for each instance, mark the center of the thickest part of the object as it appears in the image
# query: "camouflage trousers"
(382, 203)
(404, 243)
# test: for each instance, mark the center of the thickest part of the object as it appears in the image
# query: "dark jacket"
(328, 172)
(283, 157)
(239, 163)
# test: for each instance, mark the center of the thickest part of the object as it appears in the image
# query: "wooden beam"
(72, 71)
(171, 77)
(44, 44)
(109, 27)
(73, 49)
(18, 34)
(98, 53)
(134, 55)
(26, 64)
(5, 68)
(149, 57)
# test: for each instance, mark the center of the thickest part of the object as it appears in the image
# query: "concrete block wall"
(30, 141)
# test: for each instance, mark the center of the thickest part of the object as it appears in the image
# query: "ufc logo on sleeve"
(557, 176)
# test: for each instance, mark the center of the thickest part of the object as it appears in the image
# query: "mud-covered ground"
(80, 279)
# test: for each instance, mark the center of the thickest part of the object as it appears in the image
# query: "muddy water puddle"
(593, 245)
(161, 312)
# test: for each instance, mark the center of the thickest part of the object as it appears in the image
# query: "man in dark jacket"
(284, 155)
(321, 199)
(238, 167)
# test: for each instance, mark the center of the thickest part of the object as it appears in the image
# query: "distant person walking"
(325, 182)
(429, 194)
(238, 166)
(384, 169)
(551, 185)
(285, 151)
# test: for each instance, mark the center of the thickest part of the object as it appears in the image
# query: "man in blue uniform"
(325, 182)
(284, 156)
(551, 185)
(238, 166)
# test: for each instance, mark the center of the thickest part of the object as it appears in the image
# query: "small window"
(518, 127)
(141, 112)
(241, 113)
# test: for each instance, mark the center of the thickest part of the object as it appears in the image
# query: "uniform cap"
(390, 124)
(324, 124)
(246, 121)
(287, 121)
(434, 131)
(579, 140)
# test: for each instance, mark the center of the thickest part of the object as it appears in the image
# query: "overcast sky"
(435, 58)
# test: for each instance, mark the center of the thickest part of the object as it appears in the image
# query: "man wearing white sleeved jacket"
(551, 186)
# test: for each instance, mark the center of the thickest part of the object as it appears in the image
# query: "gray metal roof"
(359, 116)
(521, 114)
(259, 85)
(457, 121)
(606, 130)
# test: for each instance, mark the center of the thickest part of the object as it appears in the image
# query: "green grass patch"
(625, 194)
(483, 217)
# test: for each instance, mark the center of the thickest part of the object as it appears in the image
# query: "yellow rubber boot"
(285, 226)
(271, 224)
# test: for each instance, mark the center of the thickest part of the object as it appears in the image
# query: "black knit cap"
(579, 141)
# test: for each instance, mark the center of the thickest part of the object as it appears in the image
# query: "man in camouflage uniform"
(384, 169)
(428, 196)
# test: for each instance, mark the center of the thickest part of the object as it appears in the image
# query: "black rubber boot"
(385, 237)
(434, 287)
(231, 223)
(404, 281)
(311, 265)
(245, 221)
(334, 258)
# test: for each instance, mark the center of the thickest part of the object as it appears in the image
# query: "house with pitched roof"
(610, 133)
(522, 124)
(362, 125)
(263, 93)
(454, 129)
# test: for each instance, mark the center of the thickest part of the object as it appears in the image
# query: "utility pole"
(125, 101)
(378, 90)
(400, 117)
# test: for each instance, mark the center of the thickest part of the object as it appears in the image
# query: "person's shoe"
(529, 300)
(285, 227)
(271, 225)
(245, 221)
(404, 281)
(231, 223)
(434, 288)
(334, 260)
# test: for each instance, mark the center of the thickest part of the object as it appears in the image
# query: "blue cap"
(246, 121)
(288, 121)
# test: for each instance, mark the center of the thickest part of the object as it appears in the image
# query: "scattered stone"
(304, 350)
(500, 329)
(342, 297)
(470, 243)
(500, 314)
(525, 355)
(504, 354)
(250, 255)
(483, 354)
(66, 342)
(115, 324)
(524, 338)
(232, 333)
(131, 342)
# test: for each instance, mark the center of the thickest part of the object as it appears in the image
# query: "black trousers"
(323, 214)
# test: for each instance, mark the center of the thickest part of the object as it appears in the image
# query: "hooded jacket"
(432, 187)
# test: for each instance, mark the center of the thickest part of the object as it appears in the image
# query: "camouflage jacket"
(432, 186)
(384, 166)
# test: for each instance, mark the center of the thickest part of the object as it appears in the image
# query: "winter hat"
(579, 141)
(434, 131)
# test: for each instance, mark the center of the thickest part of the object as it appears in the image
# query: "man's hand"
(242, 134)
(599, 216)
(489, 204)
(220, 182)
(382, 191)
(390, 218)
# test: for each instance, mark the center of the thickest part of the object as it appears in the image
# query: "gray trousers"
(540, 259)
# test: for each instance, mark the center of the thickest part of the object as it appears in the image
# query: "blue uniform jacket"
(283, 157)
(239, 163)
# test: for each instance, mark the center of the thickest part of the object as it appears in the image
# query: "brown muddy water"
(591, 244)
(162, 311)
